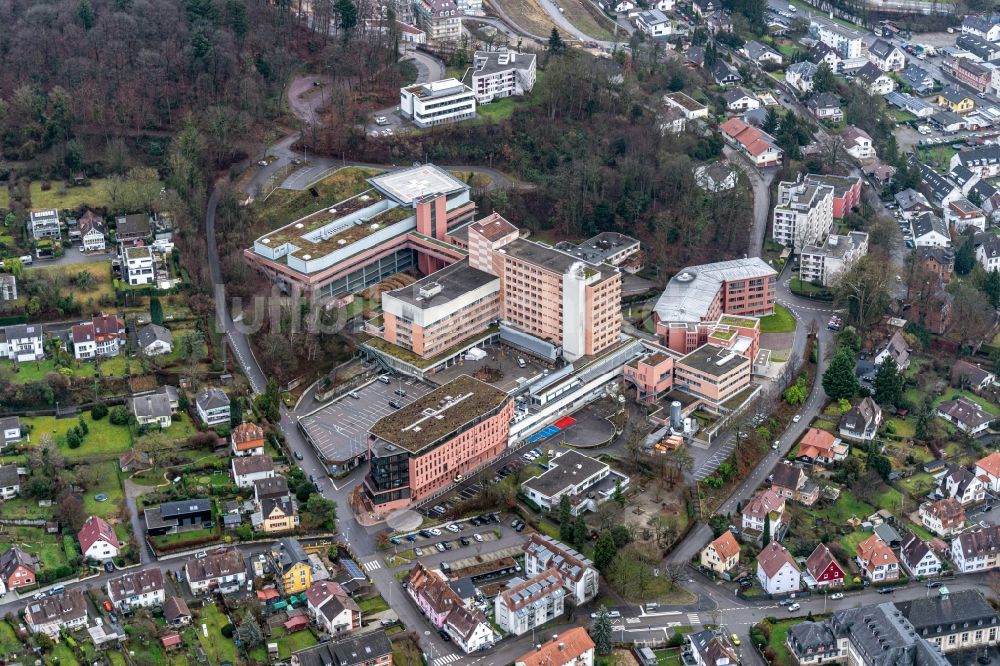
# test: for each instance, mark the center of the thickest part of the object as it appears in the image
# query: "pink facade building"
(652, 376)
(434, 442)
(712, 373)
(846, 192)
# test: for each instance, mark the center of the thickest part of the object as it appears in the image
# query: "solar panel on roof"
(352, 568)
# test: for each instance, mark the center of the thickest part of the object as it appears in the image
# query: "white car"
(477, 537)
(452, 527)
(796, 418)
(774, 447)
(837, 595)
(435, 531)
(418, 552)
(439, 546)
(793, 608)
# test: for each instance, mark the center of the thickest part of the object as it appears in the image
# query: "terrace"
(316, 221)
(735, 320)
(410, 358)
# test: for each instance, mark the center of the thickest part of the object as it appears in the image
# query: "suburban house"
(10, 481)
(212, 406)
(17, 569)
(765, 507)
(140, 268)
(912, 203)
(776, 570)
(178, 516)
(873, 80)
(823, 568)
(687, 105)
(887, 57)
(579, 575)
(862, 421)
(897, 350)
(137, 589)
(918, 558)
(988, 253)
(955, 100)
(725, 74)
(962, 485)
(977, 550)
(943, 517)
(791, 482)
(800, 75)
(971, 376)
(53, 613)
(739, 100)
(756, 144)
(103, 335)
(289, 563)
(654, 23)
(247, 469)
(962, 214)
(967, 415)
(10, 431)
(132, 228)
(247, 440)
(876, 560)
(988, 469)
(366, 649)
(444, 609)
(573, 647)
(176, 612)
(45, 225)
(919, 79)
(221, 571)
(929, 230)
(22, 343)
(761, 54)
(722, 554)
(499, 74)
(859, 144)
(821, 447)
(93, 233)
(277, 509)
(154, 340)
(825, 106)
(332, 608)
(587, 482)
(98, 540)
(528, 604)
(981, 26)
(152, 408)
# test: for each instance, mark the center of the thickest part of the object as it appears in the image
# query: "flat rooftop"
(405, 186)
(568, 469)
(712, 359)
(492, 62)
(550, 258)
(691, 292)
(436, 89)
(601, 247)
(438, 414)
(444, 285)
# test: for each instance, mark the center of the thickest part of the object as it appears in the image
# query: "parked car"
(411, 537)
(444, 635)
(735, 638)
(464, 541)
(793, 608)
(477, 537)
(837, 595)
(933, 583)
(886, 590)
(418, 552)
(298, 455)
(439, 546)
(425, 534)
(448, 545)
(796, 418)
(452, 527)
(435, 531)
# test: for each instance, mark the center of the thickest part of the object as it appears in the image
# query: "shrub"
(228, 631)
(99, 411)
(118, 415)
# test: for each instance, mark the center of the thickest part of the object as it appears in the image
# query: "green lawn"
(372, 605)
(904, 427)
(34, 371)
(846, 506)
(109, 485)
(953, 393)
(669, 657)
(498, 110)
(285, 206)
(917, 485)
(9, 644)
(62, 654)
(103, 437)
(850, 541)
(289, 643)
(64, 196)
(217, 647)
(182, 537)
(48, 547)
(781, 321)
(888, 499)
(779, 635)
(100, 270)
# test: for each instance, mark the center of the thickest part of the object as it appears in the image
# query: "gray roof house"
(152, 408)
(212, 406)
(154, 339)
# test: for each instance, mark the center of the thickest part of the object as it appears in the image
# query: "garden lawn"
(103, 437)
(299, 640)
(917, 485)
(888, 499)
(839, 512)
(906, 428)
(35, 371)
(850, 541)
(217, 647)
(9, 643)
(48, 547)
(781, 321)
(62, 654)
(779, 636)
(953, 393)
(498, 110)
(102, 286)
(109, 485)
(669, 657)
(372, 605)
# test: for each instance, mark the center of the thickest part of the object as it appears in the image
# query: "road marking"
(447, 659)
(693, 618)
(372, 565)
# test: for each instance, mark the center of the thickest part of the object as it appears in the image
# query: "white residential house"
(823, 263)
(654, 23)
(10, 483)
(10, 431)
(738, 100)
(137, 589)
(981, 26)
(470, 630)
(140, 269)
(988, 469)
(776, 570)
(862, 422)
(962, 485)
(988, 253)
(45, 225)
(943, 517)
(527, 604)
(800, 75)
(962, 214)
(151, 409)
(247, 469)
(662, 5)
(102, 336)
(761, 54)
(93, 233)
(918, 558)
(223, 571)
(98, 540)
(887, 57)
(874, 80)
(154, 340)
(212, 406)
(977, 550)
(848, 43)
(929, 230)
(587, 482)
(332, 608)
(55, 612)
(765, 507)
(692, 109)
(968, 416)
(499, 74)
(437, 102)
(859, 144)
(580, 577)
(22, 343)
(803, 214)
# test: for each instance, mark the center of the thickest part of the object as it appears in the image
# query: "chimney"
(561, 647)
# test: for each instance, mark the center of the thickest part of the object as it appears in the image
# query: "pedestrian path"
(447, 659)
(694, 619)
(372, 565)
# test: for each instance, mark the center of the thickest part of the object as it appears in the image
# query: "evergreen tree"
(823, 80)
(155, 311)
(82, 425)
(965, 258)
(555, 42)
(250, 633)
(711, 55)
(565, 519)
(601, 632)
(347, 13)
(839, 380)
(618, 495)
(888, 383)
(766, 538)
(85, 11)
(604, 550)
(991, 287)
(579, 533)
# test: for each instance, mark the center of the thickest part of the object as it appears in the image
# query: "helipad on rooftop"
(408, 185)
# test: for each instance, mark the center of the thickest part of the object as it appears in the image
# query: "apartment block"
(440, 310)
(527, 604)
(977, 550)
(803, 214)
(846, 42)
(652, 376)
(713, 373)
(440, 19)
(437, 102)
(499, 74)
(821, 264)
(434, 441)
(580, 577)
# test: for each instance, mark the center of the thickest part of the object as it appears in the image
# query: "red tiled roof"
(773, 557)
(248, 436)
(991, 464)
(754, 140)
(563, 649)
(171, 640)
(94, 529)
(726, 546)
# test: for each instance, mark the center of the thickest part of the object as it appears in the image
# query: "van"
(395, 404)
(384, 379)
(58, 589)
(381, 120)
(27, 259)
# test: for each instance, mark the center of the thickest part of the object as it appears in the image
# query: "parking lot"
(339, 430)
(467, 539)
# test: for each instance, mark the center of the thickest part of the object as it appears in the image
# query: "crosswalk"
(694, 619)
(371, 565)
(447, 659)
